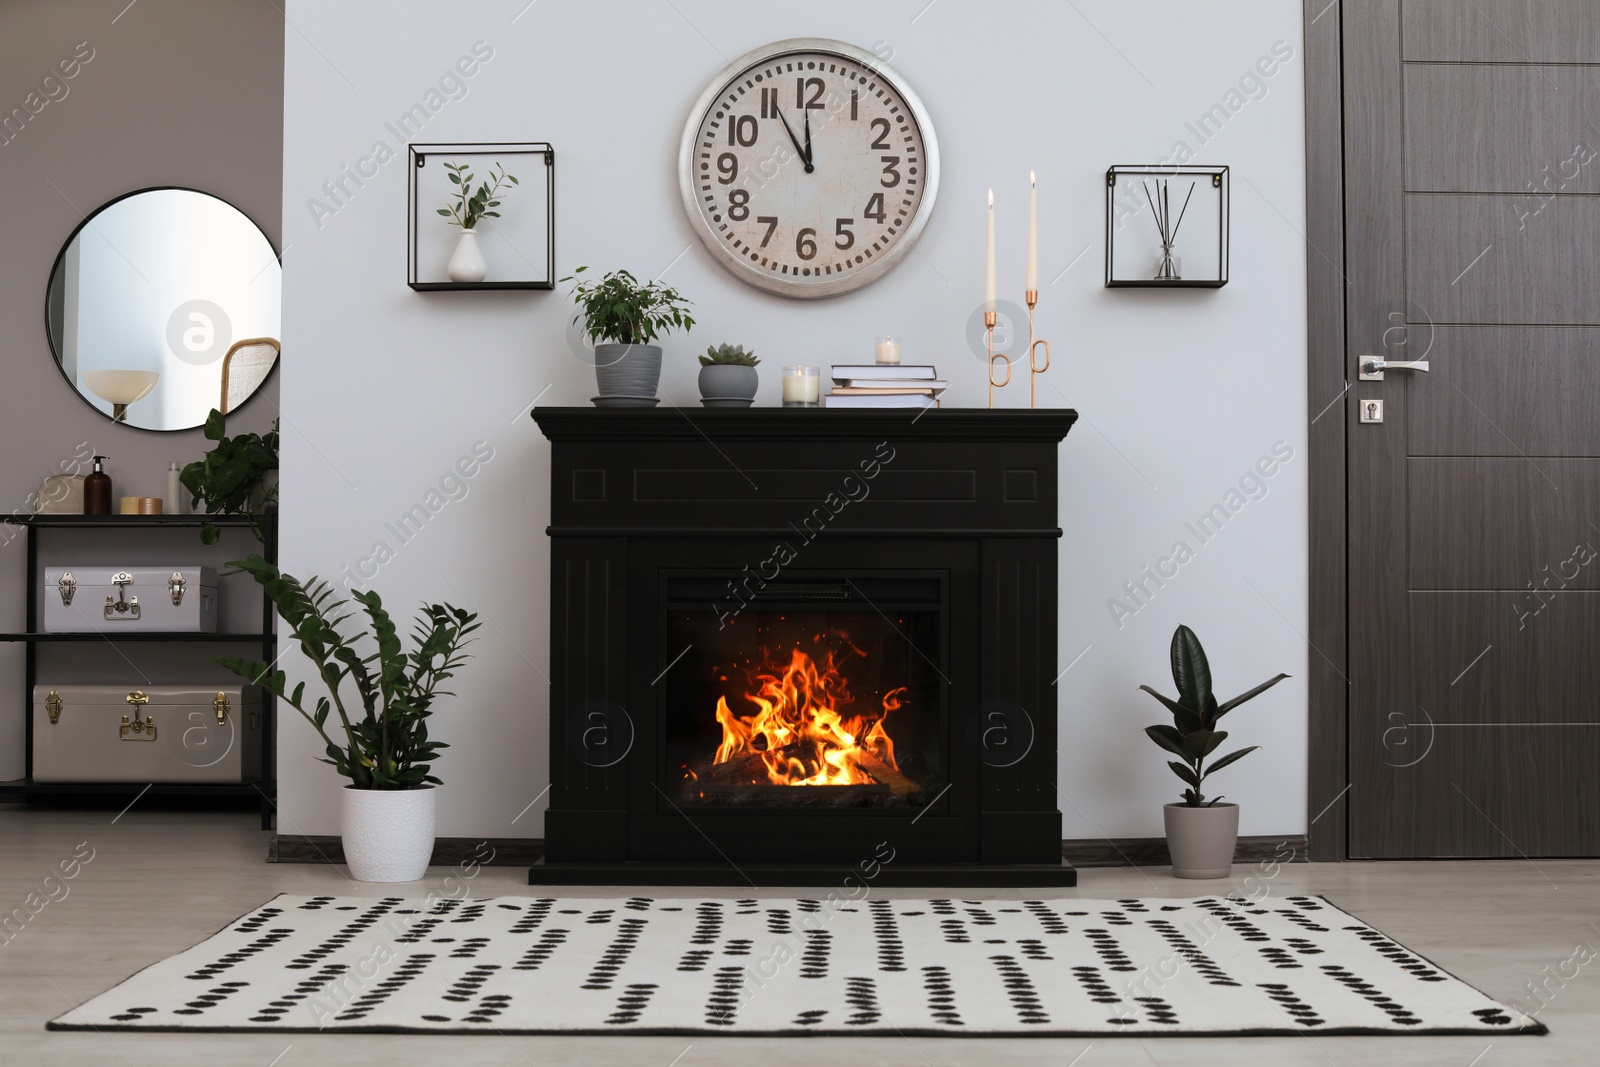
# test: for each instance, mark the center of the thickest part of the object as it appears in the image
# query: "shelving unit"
(264, 788)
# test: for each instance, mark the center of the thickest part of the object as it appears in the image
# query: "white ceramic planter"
(466, 262)
(387, 834)
(1202, 840)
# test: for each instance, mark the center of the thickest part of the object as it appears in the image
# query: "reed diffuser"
(1170, 267)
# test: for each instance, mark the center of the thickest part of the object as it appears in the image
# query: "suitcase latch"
(52, 705)
(122, 608)
(141, 729)
(66, 585)
(176, 585)
(220, 704)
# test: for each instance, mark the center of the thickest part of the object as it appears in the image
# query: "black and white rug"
(796, 966)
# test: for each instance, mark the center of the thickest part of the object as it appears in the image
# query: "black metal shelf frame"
(26, 788)
(417, 158)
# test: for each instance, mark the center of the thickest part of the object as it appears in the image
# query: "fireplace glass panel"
(837, 706)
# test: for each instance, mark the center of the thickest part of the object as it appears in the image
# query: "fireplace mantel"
(650, 507)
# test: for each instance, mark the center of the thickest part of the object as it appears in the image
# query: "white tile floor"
(159, 882)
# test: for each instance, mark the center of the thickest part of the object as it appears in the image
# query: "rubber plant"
(623, 310)
(1193, 735)
(380, 740)
(232, 478)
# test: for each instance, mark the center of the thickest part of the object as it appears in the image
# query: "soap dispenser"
(97, 490)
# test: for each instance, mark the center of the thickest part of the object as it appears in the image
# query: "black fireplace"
(787, 644)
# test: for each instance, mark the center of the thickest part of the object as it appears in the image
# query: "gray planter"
(728, 380)
(1202, 840)
(627, 370)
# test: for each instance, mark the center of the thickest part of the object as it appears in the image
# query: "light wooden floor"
(159, 882)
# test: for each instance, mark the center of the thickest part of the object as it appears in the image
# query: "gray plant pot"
(729, 380)
(627, 370)
(1202, 840)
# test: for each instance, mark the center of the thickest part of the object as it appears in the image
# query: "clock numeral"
(846, 239)
(880, 142)
(741, 134)
(815, 87)
(805, 245)
(855, 111)
(739, 205)
(727, 168)
(874, 209)
(769, 102)
(891, 176)
(771, 223)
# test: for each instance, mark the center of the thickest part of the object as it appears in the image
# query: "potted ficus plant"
(728, 376)
(466, 209)
(379, 740)
(1201, 833)
(239, 476)
(621, 317)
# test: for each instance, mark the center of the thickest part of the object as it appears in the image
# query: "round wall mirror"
(165, 304)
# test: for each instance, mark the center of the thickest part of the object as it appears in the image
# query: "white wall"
(1180, 393)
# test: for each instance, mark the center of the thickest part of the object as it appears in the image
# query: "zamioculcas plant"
(1193, 735)
(381, 742)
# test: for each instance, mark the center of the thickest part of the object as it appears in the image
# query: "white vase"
(466, 263)
(387, 833)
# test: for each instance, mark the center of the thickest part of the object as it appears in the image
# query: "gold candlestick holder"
(1034, 370)
(989, 320)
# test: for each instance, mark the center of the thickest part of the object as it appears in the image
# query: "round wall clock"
(808, 167)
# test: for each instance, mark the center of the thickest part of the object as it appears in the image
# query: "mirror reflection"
(164, 304)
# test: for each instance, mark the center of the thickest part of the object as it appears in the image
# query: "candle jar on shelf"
(887, 349)
(802, 387)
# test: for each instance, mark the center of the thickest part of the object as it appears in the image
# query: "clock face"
(808, 168)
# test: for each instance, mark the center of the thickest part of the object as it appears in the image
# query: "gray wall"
(177, 92)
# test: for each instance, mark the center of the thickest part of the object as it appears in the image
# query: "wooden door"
(1472, 227)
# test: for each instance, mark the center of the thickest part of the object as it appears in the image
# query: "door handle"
(1372, 367)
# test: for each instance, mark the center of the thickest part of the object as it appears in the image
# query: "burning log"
(899, 785)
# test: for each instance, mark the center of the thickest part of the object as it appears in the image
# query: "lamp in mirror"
(164, 304)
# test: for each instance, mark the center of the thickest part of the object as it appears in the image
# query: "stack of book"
(884, 385)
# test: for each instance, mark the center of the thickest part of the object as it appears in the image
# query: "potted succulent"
(1201, 833)
(728, 376)
(466, 209)
(380, 744)
(237, 477)
(621, 317)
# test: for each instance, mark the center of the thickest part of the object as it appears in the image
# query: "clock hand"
(805, 156)
(809, 161)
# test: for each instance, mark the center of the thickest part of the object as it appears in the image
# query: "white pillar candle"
(1033, 234)
(988, 262)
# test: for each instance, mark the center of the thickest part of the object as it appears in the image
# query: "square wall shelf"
(519, 246)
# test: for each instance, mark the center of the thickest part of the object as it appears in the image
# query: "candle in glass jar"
(888, 349)
(802, 386)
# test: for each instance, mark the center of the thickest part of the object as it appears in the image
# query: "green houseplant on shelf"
(622, 317)
(1201, 833)
(239, 476)
(468, 207)
(377, 736)
(728, 375)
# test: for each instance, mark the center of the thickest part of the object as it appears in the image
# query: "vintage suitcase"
(162, 733)
(171, 599)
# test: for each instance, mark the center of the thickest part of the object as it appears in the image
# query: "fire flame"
(800, 732)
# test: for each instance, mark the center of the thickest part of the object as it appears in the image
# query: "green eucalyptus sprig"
(1193, 735)
(469, 206)
(623, 310)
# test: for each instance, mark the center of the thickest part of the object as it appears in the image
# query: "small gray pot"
(627, 370)
(1202, 840)
(728, 380)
